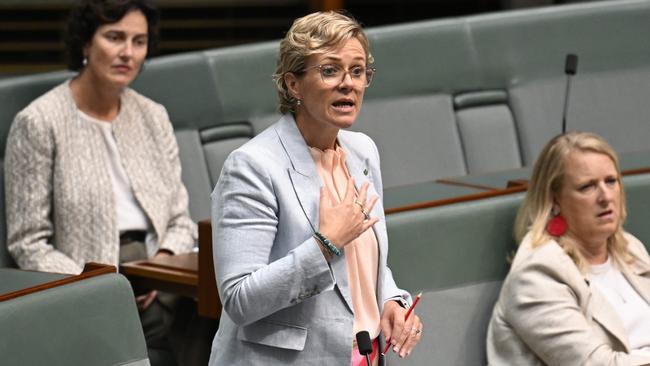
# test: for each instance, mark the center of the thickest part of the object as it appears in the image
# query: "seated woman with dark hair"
(578, 292)
(92, 168)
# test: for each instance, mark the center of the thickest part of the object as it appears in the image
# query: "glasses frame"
(370, 74)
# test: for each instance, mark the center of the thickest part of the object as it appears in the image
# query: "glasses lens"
(334, 75)
(370, 73)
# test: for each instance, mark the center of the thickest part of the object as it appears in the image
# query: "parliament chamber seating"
(93, 321)
(471, 97)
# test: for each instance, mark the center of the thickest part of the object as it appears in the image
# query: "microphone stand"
(570, 69)
(567, 92)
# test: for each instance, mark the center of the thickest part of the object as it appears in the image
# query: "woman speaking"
(300, 240)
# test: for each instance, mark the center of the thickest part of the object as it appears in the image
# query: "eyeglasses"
(333, 74)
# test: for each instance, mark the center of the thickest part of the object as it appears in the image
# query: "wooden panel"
(176, 274)
(209, 302)
(325, 5)
(449, 201)
(90, 270)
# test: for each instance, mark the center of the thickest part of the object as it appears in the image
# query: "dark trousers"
(175, 334)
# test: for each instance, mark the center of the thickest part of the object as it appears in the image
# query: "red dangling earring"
(557, 226)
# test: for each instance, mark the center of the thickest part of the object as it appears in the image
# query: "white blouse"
(129, 213)
(631, 308)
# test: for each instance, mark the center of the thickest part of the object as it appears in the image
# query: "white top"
(631, 308)
(129, 213)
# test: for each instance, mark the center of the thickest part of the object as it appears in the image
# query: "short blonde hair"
(547, 179)
(315, 33)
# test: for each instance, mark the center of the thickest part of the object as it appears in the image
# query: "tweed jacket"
(59, 195)
(548, 314)
(283, 303)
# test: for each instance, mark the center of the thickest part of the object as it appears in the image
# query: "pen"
(406, 316)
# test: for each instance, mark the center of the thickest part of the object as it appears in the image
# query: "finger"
(413, 338)
(324, 199)
(399, 333)
(407, 330)
(371, 203)
(368, 224)
(150, 297)
(363, 193)
(139, 302)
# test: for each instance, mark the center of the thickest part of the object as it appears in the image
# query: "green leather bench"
(90, 322)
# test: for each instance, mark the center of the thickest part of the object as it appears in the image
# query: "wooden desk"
(177, 274)
(438, 193)
(190, 274)
(493, 180)
(637, 162)
(18, 282)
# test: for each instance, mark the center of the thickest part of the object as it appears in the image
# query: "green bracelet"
(327, 243)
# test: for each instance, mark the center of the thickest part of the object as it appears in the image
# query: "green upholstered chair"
(90, 322)
(457, 255)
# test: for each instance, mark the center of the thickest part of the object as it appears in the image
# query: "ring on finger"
(360, 205)
(365, 214)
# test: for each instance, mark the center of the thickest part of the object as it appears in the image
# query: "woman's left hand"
(403, 335)
(144, 301)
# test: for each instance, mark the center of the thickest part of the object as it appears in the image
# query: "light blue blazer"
(282, 302)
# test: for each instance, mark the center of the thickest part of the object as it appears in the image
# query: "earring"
(557, 225)
(84, 61)
(298, 102)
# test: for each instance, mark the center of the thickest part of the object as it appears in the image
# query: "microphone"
(364, 344)
(570, 68)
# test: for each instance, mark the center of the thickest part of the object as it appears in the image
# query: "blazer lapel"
(303, 174)
(605, 315)
(306, 184)
(638, 274)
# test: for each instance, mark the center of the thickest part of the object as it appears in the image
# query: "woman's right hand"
(341, 223)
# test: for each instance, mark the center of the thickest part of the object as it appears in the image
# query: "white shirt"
(631, 308)
(129, 213)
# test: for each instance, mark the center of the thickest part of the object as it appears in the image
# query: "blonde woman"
(578, 292)
(300, 238)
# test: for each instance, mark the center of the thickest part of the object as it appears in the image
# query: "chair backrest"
(457, 255)
(16, 93)
(89, 322)
(416, 136)
(452, 245)
(455, 325)
(524, 51)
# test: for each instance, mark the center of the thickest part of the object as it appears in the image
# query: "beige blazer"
(59, 196)
(547, 313)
